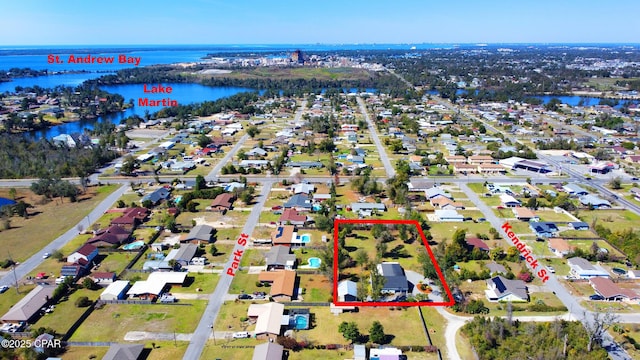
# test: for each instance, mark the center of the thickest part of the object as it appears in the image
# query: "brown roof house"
(223, 202)
(113, 236)
(268, 318)
(560, 247)
(283, 283)
(283, 235)
(268, 351)
(292, 217)
(611, 291)
(131, 217)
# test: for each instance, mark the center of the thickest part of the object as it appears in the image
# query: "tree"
(128, 165)
(201, 183)
(597, 325)
(89, 284)
(616, 183)
(203, 140)
(252, 131)
(376, 333)
(213, 250)
(349, 330)
(82, 301)
(361, 257)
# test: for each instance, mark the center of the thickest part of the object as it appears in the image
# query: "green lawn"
(113, 321)
(27, 236)
(230, 314)
(243, 282)
(317, 288)
(612, 219)
(550, 215)
(11, 297)
(445, 231)
(478, 188)
(205, 282)
(66, 312)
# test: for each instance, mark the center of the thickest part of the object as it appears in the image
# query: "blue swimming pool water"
(314, 262)
(302, 322)
(133, 246)
(305, 238)
(5, 201)
(316, 207)
(178, 199)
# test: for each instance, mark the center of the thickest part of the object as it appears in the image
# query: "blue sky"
(69, 22)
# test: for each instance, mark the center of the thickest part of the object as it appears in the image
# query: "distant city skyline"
(164, 22)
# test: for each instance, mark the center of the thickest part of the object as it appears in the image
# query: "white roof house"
(269, 317)
(146, 287)
(509, 201)
(583, 269)
(448, 215)
(168, 277)
(115, 291)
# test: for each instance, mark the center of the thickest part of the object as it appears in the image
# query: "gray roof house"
(279, 257)
(124, 352)
(495, 268)
(347, 290)
(199, 233)
(501, 289)
(574, 190)
(28, 306)
(268, 351)
(596, 202)
(436, 191)
(156, 196)
(300, 202)
(395, 279)
(582, 269)
(183, 255)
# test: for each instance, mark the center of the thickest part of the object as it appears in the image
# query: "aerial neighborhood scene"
(328, 181)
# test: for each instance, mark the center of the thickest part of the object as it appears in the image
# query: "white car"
(46, 255)
(240, 335)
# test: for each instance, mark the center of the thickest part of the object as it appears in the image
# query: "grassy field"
(205, 282)
(612, 219)
(622, 337)
(47, 222)
(230, 314)
(112, 322)
(317, 288)
(445, 231)
(243, 282)
(85, 352)
(11, 297)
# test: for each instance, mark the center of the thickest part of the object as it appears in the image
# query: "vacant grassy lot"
(47, 221)
(85, 352)
(317, 288)
(230, 314)
(113, 321)
(66, 312)
(612, 219)
(243, 282)
(205, 282)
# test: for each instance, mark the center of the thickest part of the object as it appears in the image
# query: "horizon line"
(475, 43)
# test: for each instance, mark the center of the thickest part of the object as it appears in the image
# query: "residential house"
(480, 159)
(103, 278)
(124, 352)
(27, 308)
(253, 163)
(283, 283)
(268, 318)
(131, 218)
(256, 152)
(364, 209)
(182, 255)
(574, 190)
(524, 214)
(292, 217)
(156, 196)
(579, 225)
(116, 290)
(509, 201)
(544, 229)
(583, 269)
(595, 202)
(303, 188)
(268, 351)
(359, 352)
(199, 234)
(463, 168)
(318, 198)
(283, 235)
(495, 268)
(83, 255)
(491, 169)
(501, 289)
(443, 202)
(305, 164)
(448, 216)
(455, 159)
(223, 202)
(610, 291)
(280, 258)
(113, 236)
(300, 202)
(434, 192)
(395, 278)
(420, 184)
(476, 243)
(347, 291)
(559, 246)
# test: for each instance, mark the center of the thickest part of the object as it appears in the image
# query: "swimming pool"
(301, 322)
(178, 199)
(314, 262)
(316, 207)
(134, 245)
(5, 201)
(305, 238)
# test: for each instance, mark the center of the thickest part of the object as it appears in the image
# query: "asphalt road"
(34, 261)
(213, 174)
(204, 329)
(388, 168)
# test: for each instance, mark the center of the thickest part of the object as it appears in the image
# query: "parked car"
(634, 179)
(596, 297)
(277, 207)
(3, 289)
(241, 335)
(551, 269)
(245, 297)
(260, 293)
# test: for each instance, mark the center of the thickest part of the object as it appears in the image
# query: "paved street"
(388, 168)
(203, 331)
(34, 261)
(213, 174)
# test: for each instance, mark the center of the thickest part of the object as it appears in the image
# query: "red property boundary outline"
(336, 224)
